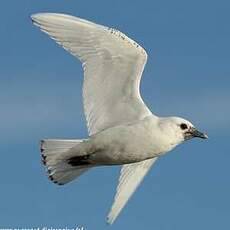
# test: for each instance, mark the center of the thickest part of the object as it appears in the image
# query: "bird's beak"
(199, 134)
(193, 132)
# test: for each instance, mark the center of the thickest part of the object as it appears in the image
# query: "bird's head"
(182, 129)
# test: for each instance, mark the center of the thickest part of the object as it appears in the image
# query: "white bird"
(122, 130)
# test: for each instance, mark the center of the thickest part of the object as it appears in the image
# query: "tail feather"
(59, 170)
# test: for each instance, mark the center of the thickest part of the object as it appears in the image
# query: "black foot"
(79, 160)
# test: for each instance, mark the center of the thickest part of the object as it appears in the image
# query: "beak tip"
(197, 133)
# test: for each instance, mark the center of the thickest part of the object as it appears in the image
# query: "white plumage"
(122, 130)
(130, 177)
(112, 64)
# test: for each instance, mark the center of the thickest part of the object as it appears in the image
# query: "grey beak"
(199, 134)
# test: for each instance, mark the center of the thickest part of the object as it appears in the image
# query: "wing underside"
(131, 176)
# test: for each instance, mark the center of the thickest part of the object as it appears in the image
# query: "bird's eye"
(183, 126)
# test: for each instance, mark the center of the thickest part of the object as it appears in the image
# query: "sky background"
(187, 74)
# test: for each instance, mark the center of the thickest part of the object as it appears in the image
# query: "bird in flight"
(122, 130)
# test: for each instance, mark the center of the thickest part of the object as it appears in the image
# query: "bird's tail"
(60, 170)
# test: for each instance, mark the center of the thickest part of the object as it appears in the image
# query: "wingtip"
(31, 18)
(38, 16)
(110, 219)
(34, 16)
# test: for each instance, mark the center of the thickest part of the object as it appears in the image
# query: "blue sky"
(187, 74)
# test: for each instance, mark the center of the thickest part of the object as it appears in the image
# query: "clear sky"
(187, 74)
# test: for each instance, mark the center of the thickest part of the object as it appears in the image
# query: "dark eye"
(183, 126)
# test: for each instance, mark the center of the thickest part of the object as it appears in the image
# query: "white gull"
(122, 130)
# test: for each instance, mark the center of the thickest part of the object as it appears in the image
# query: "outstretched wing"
(131, 176)
(112, 62)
